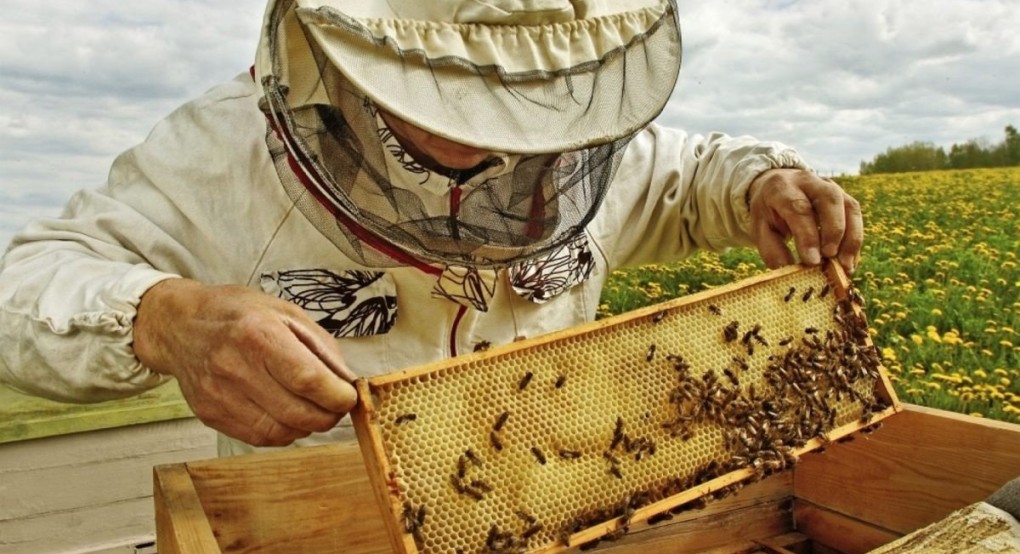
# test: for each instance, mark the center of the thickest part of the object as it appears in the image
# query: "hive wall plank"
(757, 511)
(183, 525)
(920, 466)
(837, 532)
(315, 499)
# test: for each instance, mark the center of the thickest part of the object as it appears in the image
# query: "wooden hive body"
(565, 439)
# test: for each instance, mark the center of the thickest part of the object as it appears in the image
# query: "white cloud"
(839, 79)
(844, 79)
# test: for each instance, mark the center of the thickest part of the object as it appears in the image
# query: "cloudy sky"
(81, 80)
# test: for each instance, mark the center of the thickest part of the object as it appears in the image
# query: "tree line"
(925, 156)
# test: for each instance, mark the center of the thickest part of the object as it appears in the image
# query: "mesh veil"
(331, 154)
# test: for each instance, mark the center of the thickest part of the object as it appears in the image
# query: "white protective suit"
(201, 199)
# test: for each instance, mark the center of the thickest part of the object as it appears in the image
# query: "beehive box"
(570, 438)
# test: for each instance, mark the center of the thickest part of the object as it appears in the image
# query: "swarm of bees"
(786, 402)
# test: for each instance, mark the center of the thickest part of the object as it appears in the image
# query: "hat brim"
(486, 106)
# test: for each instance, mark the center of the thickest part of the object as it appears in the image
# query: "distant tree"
(924, 156)
(973, 153)
(1012, 145)
(917, 156)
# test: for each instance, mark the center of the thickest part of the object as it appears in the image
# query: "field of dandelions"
(940, 272)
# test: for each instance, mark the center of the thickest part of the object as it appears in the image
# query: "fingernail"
(812, 256)
(849, 264)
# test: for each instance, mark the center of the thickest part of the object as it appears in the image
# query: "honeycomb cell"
(612, 417)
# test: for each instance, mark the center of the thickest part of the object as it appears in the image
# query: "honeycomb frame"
(543, 444)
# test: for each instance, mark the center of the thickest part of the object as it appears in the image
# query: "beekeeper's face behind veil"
(478, 133)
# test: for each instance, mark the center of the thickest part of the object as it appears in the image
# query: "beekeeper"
(393, 183)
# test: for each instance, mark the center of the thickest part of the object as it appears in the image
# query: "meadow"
(940, 274)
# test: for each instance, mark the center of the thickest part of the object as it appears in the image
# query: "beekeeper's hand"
(250, 365)
(820, 217)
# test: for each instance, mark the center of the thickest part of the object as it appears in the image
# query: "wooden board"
(181, 520)
(838, 532)
(919, 467)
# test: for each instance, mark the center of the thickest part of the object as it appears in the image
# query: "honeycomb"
(542, 444)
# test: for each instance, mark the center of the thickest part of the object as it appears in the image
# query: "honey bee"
(525, 380)
(658, 317)
(480, 485)
(807, 294)
(482, 346)
(659, 518)
(528, 518)
(501, 421)
(825, 291)
(458, 484)
(495, 442)
(872, 428)
(532, 531)
(615, 535)
(560, 381)
(811, 330)
(615, 472)
(404, 418)
(470, 454)
(411, 518)
(786, 341)
(538, 455)
(569, 454)
(650, 355)
(461, 466)
(617, 433)
(714, 310)
(730, 331)
(732, 377)
(747, 337)
(789, 295)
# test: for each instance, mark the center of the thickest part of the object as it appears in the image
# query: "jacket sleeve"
(70, 286)
(675, 194)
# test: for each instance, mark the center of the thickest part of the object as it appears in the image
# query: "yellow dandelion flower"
(936, 312)
(918, 339)
(980, 373)
(977, 414)
(933, 386)
(1005, 344)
